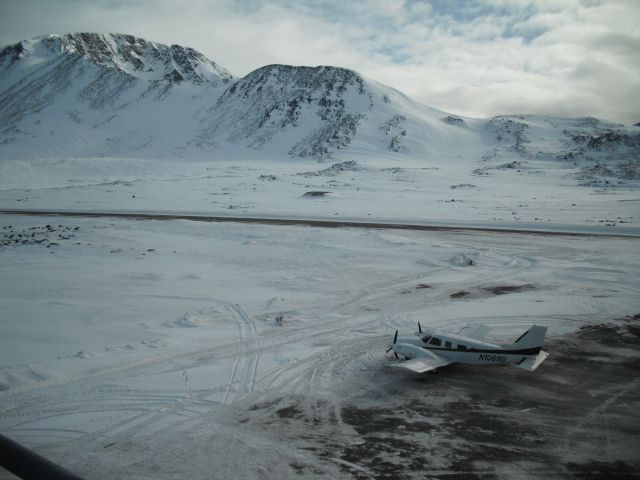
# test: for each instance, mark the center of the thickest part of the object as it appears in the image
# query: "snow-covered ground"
(541, 193)
(166, 349)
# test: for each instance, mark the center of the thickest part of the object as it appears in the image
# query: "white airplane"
(428, 351)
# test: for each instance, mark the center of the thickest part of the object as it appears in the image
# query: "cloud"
(472, 57)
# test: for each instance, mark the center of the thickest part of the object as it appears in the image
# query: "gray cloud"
(478, 58)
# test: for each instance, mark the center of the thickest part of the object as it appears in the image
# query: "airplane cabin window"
(461, 347)
(436, 341)
(426, 338)
(447, 344)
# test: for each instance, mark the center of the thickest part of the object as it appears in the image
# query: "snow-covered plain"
(164, 349)
(538, 195)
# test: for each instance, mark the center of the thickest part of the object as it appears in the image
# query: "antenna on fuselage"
(419, 327)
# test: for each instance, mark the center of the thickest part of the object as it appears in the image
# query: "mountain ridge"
(123, 52)
(90, 94)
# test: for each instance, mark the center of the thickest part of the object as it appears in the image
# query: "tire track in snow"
(600, 409)
(239, 358)
(306, 375)
(152, 406)
(130, 426)
(252, 330)
(180, 406)
(245, 366)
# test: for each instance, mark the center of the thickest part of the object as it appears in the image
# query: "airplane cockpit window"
(426, 338)
(436, 341)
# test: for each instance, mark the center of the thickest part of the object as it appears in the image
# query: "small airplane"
(432, 350)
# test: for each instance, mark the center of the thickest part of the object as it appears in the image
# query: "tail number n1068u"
(492, 358)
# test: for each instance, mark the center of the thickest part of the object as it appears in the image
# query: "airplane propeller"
(395, 339)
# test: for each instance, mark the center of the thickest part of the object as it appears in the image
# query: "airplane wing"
(476, 331)
(423, 363)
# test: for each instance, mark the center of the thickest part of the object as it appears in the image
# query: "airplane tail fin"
(532, 338)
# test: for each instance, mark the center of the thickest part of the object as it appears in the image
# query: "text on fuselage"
(492, 358)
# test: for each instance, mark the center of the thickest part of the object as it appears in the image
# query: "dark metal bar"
(29, 465)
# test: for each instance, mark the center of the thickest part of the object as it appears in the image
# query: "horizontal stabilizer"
(531, 363)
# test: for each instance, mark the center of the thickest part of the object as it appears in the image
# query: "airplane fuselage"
(429, 351)
(462, 350)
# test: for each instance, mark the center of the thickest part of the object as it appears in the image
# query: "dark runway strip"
(525, 229)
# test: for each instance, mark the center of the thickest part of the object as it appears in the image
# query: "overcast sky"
(470, 57)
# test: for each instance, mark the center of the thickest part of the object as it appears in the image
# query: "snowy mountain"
(94, 95)
(91, 94)
(87, 94)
